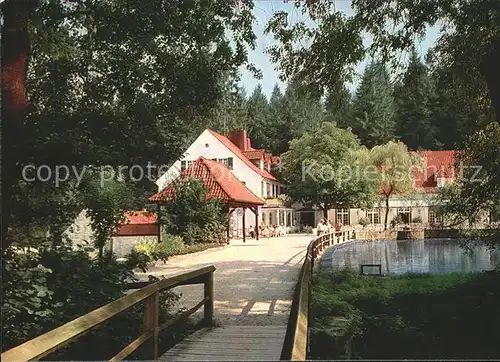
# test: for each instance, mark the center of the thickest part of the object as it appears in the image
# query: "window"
(273, 189)
(268, 189)
(262, 188)
(228, 162)
(282, 218)
(373, 216)
(343, 216)
(405, 213)
(435, 215)
(185, 164)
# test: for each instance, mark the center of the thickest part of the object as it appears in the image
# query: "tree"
(476, 190)
(469, 38)
(395, 166)
(461, 104)
(296, 112)
(327, 168)
(258, 119)
(338, 106)
(374, 121)
(194, 217)
(108, 90)
(415, 98)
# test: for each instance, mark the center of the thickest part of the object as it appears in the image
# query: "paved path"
(253, 282)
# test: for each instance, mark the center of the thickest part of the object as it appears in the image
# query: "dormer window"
(440, 178)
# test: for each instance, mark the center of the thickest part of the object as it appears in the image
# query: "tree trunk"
(386, 212)
(14, 58)
(325, 211)
(490, 70)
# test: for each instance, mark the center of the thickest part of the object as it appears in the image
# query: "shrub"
(364, 221)
(190, 215)
(45, 289)
(398, 219)
(417, 220)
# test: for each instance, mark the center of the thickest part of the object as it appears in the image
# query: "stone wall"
(122, 245)
(80, 231)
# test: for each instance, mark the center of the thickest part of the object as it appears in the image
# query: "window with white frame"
(185, 164)
(228, 162)
(405, 213)
(373, 216)
(343, 216)
(435, 215)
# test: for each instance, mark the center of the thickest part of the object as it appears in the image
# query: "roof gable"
(219, 181)
(237, 152)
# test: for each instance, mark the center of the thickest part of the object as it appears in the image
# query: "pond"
(398, 257)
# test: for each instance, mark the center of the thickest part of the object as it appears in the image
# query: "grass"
(413, 316)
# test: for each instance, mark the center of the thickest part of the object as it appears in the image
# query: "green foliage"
(47, 287)
(27, 301)
(397, 220)
(327, 168)
(411, 316)
(476, 191)
(338, 106)
(111, 84)
(415, 99)
(374, 112)
(328, 52)
(417, 220)
(394, 165)
(194, 217)
(364, 221)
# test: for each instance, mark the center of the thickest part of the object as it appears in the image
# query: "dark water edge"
(399, 257)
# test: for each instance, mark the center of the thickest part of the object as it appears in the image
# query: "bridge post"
(208, 309)
(151, 310)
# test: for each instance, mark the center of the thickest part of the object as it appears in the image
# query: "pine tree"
(338, 106)
(257, 119)
(374, 121)
(414, 101)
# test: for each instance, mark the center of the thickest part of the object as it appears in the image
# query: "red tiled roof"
(137, 223)
(140, 217)
(235, 149)
(254, 154)
(435, 164)
(219, 181)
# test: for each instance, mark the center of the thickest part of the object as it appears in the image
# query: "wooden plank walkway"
(230, 343)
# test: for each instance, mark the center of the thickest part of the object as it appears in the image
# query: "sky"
(263, 11)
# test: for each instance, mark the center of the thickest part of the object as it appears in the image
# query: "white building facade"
(250, 166)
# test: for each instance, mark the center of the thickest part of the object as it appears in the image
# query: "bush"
(45, 289)
(417, 220)
(364, 221)
(415, 316)
(169, 246)
(190, 215)
(398, 219)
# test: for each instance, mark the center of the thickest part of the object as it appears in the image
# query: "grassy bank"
(415, 316)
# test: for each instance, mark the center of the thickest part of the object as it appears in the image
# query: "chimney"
(240, 139)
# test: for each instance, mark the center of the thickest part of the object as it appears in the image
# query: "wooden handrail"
(295, 347)
(41, 346)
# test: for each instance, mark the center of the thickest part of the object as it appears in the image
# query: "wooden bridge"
(242, 342)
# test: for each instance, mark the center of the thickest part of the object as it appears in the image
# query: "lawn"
(414, 316)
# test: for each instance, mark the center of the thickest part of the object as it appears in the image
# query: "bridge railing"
(43, 345)
(295, 347)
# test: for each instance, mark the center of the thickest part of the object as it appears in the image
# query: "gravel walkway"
(253, 282)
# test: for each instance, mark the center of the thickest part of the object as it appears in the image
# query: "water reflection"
(436, 256)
